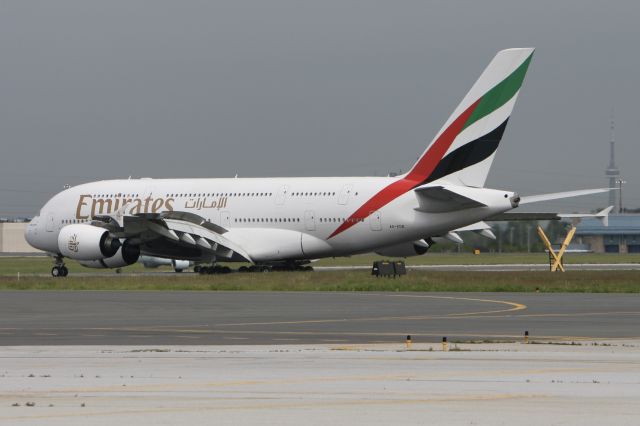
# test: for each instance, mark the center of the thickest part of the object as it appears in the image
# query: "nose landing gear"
(59, 270)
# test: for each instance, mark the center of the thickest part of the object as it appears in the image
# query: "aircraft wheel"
(55, 272)
(178, 270)
(265, 269)
(64, 271)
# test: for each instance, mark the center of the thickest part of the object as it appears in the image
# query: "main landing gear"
(59, 270)
(218, 269)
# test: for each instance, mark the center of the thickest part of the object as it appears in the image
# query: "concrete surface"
(487, 384)
(223, 318)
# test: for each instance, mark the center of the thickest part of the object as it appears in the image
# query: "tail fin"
(463, 150)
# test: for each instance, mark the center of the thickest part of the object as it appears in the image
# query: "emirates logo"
(73, 243)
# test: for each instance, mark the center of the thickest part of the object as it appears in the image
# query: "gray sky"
(105, 89)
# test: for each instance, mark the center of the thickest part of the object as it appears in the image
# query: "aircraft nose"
(31, 230)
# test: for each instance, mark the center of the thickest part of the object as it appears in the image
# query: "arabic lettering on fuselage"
(205, 203)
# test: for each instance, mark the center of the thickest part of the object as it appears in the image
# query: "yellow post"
(565, 244)
(408, 342)
(526, 337)
(557, 258)
(445, 345)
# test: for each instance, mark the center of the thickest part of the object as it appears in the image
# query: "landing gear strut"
(59, 270)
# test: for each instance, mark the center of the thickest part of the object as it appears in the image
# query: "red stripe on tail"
(420, 172)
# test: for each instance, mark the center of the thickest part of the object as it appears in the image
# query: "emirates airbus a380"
(290, 221)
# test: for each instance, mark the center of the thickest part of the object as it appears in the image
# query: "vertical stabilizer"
(463, 150)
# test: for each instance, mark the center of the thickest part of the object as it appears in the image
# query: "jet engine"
(180, 265)
(87, 242)
(154, 262)
(414, 248)
(126, 255)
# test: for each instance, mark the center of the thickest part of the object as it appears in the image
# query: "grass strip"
(414, 281)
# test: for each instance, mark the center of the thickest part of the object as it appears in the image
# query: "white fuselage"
(271, 218)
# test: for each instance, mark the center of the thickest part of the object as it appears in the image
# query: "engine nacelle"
(154, 262)
(414, 248)
(87, 242)
(126, 255)
(180, 265)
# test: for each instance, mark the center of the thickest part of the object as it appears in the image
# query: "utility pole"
(620, 182)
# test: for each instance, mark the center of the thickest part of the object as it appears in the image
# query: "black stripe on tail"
(468, 154)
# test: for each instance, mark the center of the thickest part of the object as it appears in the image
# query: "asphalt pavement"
(257, 318)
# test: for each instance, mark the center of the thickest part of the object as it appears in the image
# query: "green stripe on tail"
(500, 93)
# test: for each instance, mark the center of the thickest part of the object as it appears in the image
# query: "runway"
(254, 318)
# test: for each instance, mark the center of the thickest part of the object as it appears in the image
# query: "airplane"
(271, 222)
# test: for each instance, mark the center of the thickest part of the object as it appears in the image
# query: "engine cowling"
(414, 248)
(126, 255)
(87, 242)
(180, 265)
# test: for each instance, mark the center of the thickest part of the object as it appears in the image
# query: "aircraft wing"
(176, 235)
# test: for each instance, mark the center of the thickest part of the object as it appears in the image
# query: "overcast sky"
(107, 89)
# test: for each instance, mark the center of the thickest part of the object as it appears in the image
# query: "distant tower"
(613, 173)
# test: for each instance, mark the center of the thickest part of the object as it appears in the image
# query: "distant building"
(12, 238)
(621, 236)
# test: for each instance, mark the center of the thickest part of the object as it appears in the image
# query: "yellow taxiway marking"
(511, 307)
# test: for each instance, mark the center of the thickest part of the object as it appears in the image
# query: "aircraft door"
(225, 218)
(375, 221)
(281, 195)
(310, 220)
(50, 224)
(343, 197)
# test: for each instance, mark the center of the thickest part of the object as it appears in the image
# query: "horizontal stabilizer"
(603, 215)
(559, 195)
(504, 217)
(437, 199)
